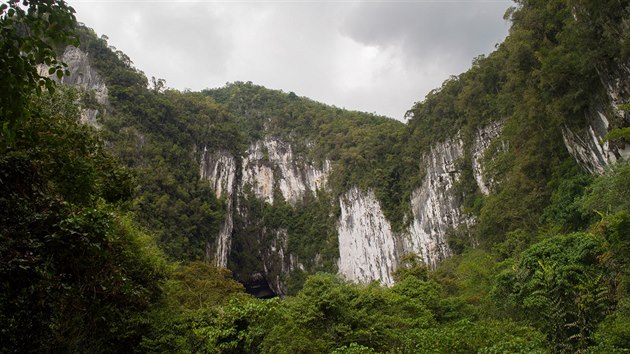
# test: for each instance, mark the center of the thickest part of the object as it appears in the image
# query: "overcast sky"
(373, 56)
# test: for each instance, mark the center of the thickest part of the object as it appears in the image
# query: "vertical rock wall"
(483, 139)
(367, 245)
(369, 250)
(84, 76)
(219, 170)
(587, 145)
(267, 167)
(435, 207)
(271, 163)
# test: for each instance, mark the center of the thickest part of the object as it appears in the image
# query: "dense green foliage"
(100, 242)
(545, 75)
(309, 227)
(159, 136)
(29, 33)
(76, 273)
(367, 151)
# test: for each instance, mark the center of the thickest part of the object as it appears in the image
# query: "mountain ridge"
(496, 220)
(278, 135)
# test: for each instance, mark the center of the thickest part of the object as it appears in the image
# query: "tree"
(560, 287)
(29, 33)
(76, 274)
(157, 85)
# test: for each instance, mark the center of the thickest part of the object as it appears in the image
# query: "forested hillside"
(497, 218)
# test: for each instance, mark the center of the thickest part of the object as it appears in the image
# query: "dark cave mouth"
(258, 286)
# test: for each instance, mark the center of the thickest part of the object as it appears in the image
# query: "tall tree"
(29, 32)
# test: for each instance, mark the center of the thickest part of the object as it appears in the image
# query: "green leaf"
(51, 71)
(624, 107)
(59, 74)
(617, 133)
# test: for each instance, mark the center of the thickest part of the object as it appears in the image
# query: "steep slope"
(357, 164)
(288, 177)
(494, 172)
(274, 186)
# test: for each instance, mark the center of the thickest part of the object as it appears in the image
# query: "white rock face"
(435, 207)
(369, 250)
(367, 246)
(483, 139)
(585, 145)
(270, 163)
(219, 169)
(224, 241)
(267, 165)
(82, 74)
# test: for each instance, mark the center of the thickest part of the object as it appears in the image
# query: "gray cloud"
(452, 30)
(370, 56)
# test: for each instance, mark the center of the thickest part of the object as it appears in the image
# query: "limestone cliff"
(280, 171)
(269, 169)
(587, 144)
(219, 169)
(83, 74)
(367, 245)
(85, 77)
(369, 250)
(270, 163)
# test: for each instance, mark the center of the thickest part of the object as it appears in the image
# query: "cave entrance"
(258, 287)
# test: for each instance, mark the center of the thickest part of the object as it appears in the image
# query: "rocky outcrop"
(270, 164)
(587, 145)
(435, 206)
(219, 170)
(369, 250)
(483, 138)
(367, 245)
(85, 77)
(589, 148)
